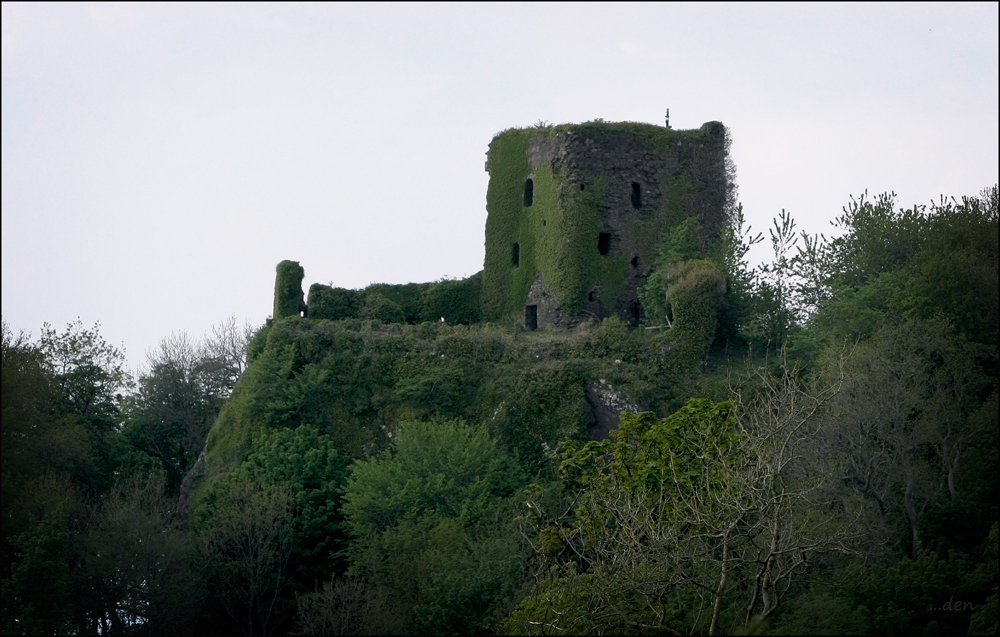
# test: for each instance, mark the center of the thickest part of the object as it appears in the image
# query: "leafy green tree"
(915, 263)
(176, 402)
(907, 423)
(273, 528)
(693, 521)
(37, 580)
(136, 567)
(430, 519)
(247, 536)
(307, 460)
(90, 381)
(61, 450)
(37, 436)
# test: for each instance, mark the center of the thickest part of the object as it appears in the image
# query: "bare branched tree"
(247, 542)
(904, 420)
(349, 606)
(711, 512)
(227, 344)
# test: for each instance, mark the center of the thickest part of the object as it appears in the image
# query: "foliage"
(379, 308)
(430, 520)
(247, 538)
(984, 619)
(37, 553)
(685, 299)
(273, 527)
(557, 234)
(327, 302)
(308, 461)
(455, 301)
(90, 541)
(288, 299)
(845, 486)
(699, 515)
(348, 606)
(908, 423)
(135, 564)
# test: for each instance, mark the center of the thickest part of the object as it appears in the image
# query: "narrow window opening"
(636, 195)
(590, 295)
(604, 243)
(529, 192)
(544, 222)
(635, 261)
(515, 255)
(583, 186)
(636, 309)
(531, 317)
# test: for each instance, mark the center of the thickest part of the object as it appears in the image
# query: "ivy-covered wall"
(576, 213)
(288, 289)
(455, 301)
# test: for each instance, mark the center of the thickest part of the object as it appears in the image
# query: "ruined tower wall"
(576, 214)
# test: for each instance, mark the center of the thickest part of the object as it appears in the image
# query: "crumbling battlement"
(576, 215)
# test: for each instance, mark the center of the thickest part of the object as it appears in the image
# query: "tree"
(906, 421)
(176, 403)
(429, 519)
(179, 398)
(227, 345)
(247, 539)
(272, 528)
(689, 520)
(348, 606)
(90, 381)
(37, 436)
(136, 567)
(88, 545)
(37, 581)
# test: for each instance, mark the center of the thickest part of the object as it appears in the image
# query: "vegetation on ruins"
(804, 447)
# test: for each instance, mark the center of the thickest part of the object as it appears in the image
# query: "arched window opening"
(635, 261)
(591, 296)
(604, 243)
(515, 255)
(636, 195)
(529, 191)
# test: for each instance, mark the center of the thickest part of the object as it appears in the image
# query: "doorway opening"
(531, 317)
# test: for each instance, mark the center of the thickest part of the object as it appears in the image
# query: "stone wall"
(646, 180)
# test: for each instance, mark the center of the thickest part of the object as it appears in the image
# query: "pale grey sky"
(160, 160)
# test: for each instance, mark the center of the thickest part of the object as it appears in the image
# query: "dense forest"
(808, 446)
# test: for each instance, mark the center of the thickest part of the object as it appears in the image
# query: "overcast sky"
(160, 160)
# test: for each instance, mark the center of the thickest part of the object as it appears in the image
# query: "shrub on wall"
(454, 301)
(695, 290)
(331, 303)
(378, 307)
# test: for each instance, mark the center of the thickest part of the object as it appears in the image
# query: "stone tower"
(576, 214)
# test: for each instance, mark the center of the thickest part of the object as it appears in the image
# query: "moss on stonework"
(288, 289)
(557, 235)
(454, 301)
(585, 207)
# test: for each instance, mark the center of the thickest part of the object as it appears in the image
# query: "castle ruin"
(576, 217)
(576, 214)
